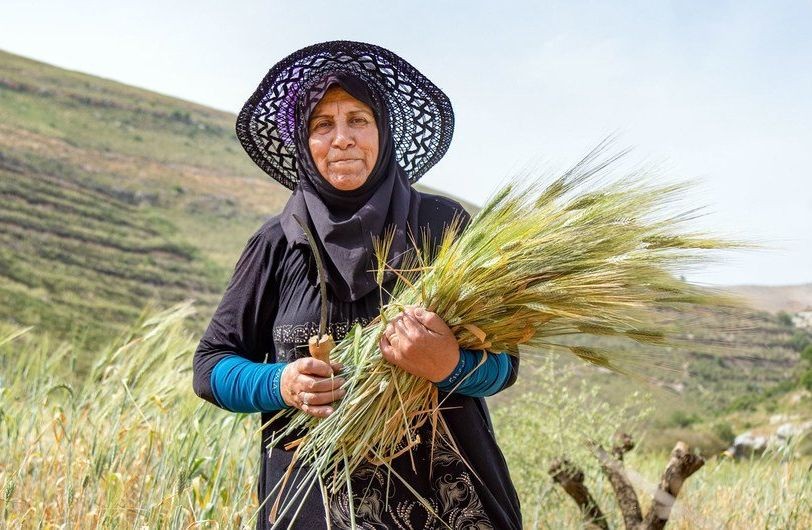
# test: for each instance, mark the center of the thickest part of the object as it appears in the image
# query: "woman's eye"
(321, 125)
(359, 121)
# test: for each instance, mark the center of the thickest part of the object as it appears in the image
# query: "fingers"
(389, 331)
(314, 384)
(414, 320)
(311, 399)
(400, 335)
(390, 342)
(409, 326)
(312, 387)
(403, 326)
(387, 351)
(318, 404)
(318, 411)
(312, 366)
(429, 319)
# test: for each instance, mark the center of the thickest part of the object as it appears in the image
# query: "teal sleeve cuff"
(484, 380)
(240, 385)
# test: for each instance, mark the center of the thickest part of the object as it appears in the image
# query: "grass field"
(129, 445)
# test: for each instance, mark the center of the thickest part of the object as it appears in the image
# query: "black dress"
(268, 312)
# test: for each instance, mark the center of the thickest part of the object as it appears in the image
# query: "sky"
(716, 92)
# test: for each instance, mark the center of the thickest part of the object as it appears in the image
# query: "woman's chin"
(346, 182)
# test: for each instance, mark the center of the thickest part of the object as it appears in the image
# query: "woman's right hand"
(308, 384)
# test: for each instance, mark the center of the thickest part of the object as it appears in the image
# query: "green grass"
(76, 254)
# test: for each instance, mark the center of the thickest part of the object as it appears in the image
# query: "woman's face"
(343, 139)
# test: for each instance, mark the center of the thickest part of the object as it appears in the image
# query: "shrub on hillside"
(785, 318)
(724, 431)
(806, 354)
(806, 379)
(680, 418)
(799, 341)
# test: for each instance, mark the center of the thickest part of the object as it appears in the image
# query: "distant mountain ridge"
(789, 298)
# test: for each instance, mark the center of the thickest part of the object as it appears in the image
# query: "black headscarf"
(345, 222)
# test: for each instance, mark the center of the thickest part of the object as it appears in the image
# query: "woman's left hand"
(421, 343)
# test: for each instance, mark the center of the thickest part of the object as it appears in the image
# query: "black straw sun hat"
(420, 114)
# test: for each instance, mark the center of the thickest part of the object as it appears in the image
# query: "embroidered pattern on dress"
(298, 335)
(373, 511)
(454, 499)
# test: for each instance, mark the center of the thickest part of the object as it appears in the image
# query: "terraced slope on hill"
(731, 354)
(114, 196)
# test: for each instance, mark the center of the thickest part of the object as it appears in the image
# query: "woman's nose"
(343, 138)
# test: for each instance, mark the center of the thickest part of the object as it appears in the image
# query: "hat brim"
(420, 114)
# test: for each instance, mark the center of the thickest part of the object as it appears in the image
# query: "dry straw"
(537, 263)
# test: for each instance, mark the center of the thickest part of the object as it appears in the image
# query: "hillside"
(114, 197)
(731, 355)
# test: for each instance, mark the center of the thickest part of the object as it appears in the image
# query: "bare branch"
(623, 444)
(571, 479)
(624, 492)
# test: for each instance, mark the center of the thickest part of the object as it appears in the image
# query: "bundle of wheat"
(537, 262)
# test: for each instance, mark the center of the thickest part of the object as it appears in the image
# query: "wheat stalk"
(537, 263)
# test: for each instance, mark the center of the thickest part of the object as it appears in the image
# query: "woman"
(349, 126)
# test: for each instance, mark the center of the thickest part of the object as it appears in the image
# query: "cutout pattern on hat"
(420, 114)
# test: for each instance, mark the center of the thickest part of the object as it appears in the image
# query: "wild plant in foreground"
(126, 444)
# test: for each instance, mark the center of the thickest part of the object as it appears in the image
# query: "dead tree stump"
(682, 464)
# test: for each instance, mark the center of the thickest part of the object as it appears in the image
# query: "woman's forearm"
(241, 385)
(484, 380)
